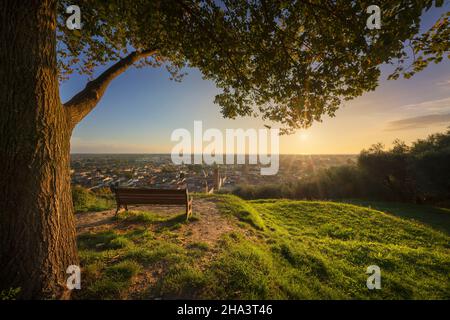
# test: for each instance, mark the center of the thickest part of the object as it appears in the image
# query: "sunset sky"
(142, 107)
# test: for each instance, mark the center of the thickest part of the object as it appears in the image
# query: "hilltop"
(261, 249)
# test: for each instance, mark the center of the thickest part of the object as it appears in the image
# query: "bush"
(420, 173)
(85, 200)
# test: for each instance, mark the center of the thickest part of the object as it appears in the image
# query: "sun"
(303, 136)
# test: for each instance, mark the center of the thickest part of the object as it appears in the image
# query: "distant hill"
(263, 249)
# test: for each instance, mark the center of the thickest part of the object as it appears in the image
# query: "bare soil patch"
(207, 226)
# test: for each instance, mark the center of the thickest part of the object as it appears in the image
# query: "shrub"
(420, 173)
(85, 200)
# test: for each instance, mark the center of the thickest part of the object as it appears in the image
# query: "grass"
(279, 249)
(114, 281)
(235, 206)
(438, 218)
(86, 201)
(170, 223)
(98, 204)
(9, 294)
(139, 216)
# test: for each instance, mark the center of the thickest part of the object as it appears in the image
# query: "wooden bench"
(139, 196)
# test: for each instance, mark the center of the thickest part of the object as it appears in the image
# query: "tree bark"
(37, 225)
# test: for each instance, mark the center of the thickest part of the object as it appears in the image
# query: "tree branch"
(83, 102)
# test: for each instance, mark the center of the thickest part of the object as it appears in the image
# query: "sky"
(142, 107)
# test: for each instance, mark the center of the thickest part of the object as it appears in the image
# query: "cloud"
(440, 105)
(419, 122)
(444, 83)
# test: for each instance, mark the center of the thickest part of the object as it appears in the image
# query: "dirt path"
(208, 226)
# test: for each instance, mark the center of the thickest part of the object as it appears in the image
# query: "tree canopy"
(289, 62)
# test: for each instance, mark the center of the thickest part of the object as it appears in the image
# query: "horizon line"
(161, 153)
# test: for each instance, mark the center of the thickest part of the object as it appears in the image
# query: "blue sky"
(142, 107)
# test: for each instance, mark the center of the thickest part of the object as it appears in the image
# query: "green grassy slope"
(435, 217)
(279, 249)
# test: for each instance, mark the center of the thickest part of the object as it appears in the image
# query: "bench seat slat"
(143, 196)
(151, 191)
(153, 202)
(155, 199)
(150, 197)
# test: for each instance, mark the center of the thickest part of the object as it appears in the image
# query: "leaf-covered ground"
(263, 249)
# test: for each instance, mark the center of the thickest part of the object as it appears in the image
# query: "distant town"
(94, 171)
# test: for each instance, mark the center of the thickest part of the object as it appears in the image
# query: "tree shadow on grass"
(435, 217)
(158, 221)
(175, 222)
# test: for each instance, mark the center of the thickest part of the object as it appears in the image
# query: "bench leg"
(189, 209)
(119, 206)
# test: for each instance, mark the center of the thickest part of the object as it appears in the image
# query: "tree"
(389, 168)
(290, 62)
(430, 164)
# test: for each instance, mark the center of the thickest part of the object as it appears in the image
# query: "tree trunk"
(37, 225)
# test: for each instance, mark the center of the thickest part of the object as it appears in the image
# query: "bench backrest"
(151, 196)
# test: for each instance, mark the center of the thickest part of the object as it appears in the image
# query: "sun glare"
(303, 136)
